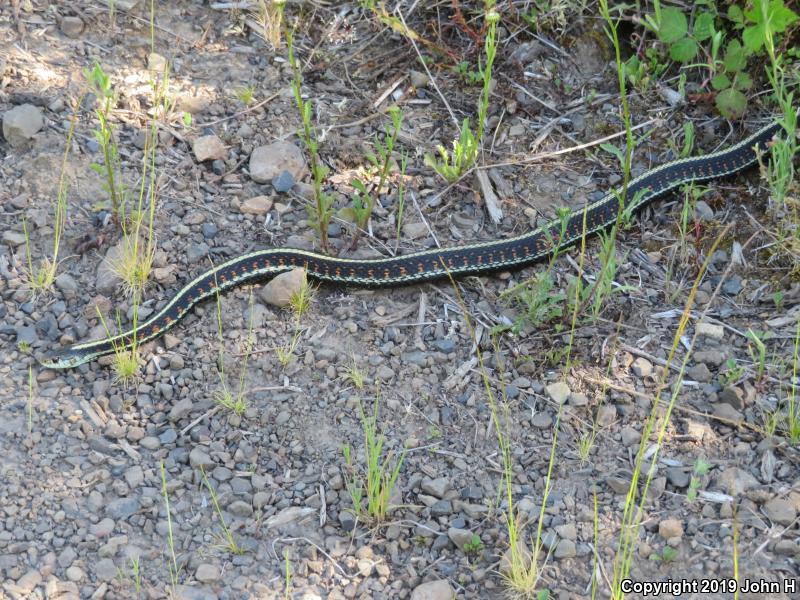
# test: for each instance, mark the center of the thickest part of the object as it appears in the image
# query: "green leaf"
(684, 50)
(703, 27)
(346, 214)
(743, 81)
(731, 103)
(673, 25)
(735, 57)
(611, 149)
(720, 82)
(736, 15)
(753, 37)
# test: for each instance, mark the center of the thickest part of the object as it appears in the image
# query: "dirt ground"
(85, 459)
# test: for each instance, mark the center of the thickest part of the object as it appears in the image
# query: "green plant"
(792, 419)
(701, 468)
(172, 565)
(758, 351)
(227, 541)
(41, 277)
(244, 94)
(268, 15)
(474, 545)
(355, 375)
(452, 166)
(376, 483)
(401, 194)
(224, 396)
(321, 212)
(101, 85)
(287, 576)
(135, 575)
(363, 201)
(299, 302)
(732, 373)
(668, 554)
(468, 75)
(126, 360)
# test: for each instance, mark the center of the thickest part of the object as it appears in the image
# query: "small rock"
(565, 549)
(703, 211)
(678, 476)
(435, 487)
(733, 285)
(460, 537)
(257, 205)
(21, 123)
(72, 27)
(642, 367)
(732, 395)
(267, 162)
(181, 409)
(414, 230)
(74, 573)
(780, 511)
(102, 528)
(441, 508)
(606, 415)
(283, 182)
(122, 508)
(279, 291)
(558, 392)
(240, 508)
(710, 330)
(208, 147)
(433, 590)
(670, 528)
(207, 573)
(542, 420)
(419, 79)
(578, 399)
(199, 458)
(13, 238)
(710, 357)
(347, 520)
(700, 372)
(630, 436)
(735, 481)
(105, 569)
(727, 412)
(67, 285)
(134, 476)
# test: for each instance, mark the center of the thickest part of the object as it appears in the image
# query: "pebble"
(606, 415)
(433, 590)
(67, 285)
(105, 569)
(13, 238)
(267, 162)
(670, 528)
(197, 252)
(630, 436)
(565, 549)
(780, 511)
(418, 78)
(558, 392)
(280, 289)
(122, 508)
(71, 27)
(257, 205)
(542, 420)
(180, 409)
(732, 395)
(700, 372)
(209, 230)
(735, 481)
(727, 412)
(199, 458)
(435, 487)
(207, 573)
(710, 330)
(678, 476)
(208, 147)
(21, 124)
(283, 182)
(460, 537)
(713, 357)
(703, 211)
(102, 528)
(642, 367)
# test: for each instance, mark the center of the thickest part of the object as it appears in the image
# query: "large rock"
(267, 162)
(21, 123)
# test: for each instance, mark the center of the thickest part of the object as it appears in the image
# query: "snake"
(430, 264)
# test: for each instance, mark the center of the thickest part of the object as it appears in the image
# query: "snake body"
(427, 265)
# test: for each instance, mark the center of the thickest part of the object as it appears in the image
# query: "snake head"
(64, 358)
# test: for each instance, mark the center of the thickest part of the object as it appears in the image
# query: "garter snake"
(427, 265)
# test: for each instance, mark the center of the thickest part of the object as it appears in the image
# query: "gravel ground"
(86, 458)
